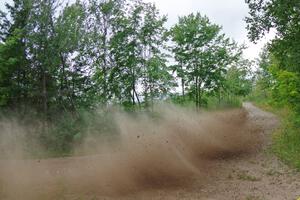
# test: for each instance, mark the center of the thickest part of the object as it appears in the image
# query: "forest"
(277, 85)
(65, 66)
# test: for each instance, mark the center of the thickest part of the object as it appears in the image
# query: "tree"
(70, 76)
(137, 47)
(156, 78)
(202, 54)
(14, 84)
(282, 68)
(42, 53)
(283, 16)
(126, 52)
(238, 80)
(99, 32)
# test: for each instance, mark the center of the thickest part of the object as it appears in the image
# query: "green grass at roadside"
(286, 139)
(213, 103)
(209, 102)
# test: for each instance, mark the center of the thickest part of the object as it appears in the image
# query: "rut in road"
(168, 152)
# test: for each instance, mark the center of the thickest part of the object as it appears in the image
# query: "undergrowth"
(286, 139)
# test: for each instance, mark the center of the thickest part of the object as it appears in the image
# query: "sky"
(229, 14)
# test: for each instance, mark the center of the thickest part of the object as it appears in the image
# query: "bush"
(286, 141)
(35, 137)
(229, 101)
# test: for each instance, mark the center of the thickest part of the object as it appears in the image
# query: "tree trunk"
(45, 103)
(219, 96)
(182, 85)
(133, 98)
(63, 79)
(137, 98)
(196, 93)
(182, 81)
(199, 96)
(45, 99)
(151, 96)
(133, 91)
(104, 59)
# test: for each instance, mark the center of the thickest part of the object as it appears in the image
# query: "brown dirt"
(183, 155)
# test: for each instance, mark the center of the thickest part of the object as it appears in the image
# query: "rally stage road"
(216, 156)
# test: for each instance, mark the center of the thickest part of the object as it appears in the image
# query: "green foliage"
(178, 99)
(69, 130)
(230, 101)
(237, 81)
(284, 18)
(287, 138)
(278, 89)
(210, 102)
(203, 54)
(286, 90)
(280, 62)
(11, 70)
(60, 62)
(278, 79)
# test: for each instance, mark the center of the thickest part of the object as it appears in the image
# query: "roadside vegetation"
(64, 67)
(277, 85)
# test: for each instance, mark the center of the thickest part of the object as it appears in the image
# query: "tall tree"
(284, 49)
(14, 83)
(156, 78)
(126, 52)
(202, 54)
(284, 17)
(42, 51)
(70, 76)
(238, 79)
(97, 51)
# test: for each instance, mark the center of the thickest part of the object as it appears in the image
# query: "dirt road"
(257, 176)
(211, 157)
(253, 176)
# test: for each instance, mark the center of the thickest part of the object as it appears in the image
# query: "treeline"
(55, 56)
(278, 77)
(60, 60)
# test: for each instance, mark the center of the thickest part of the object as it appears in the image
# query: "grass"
(286, 142)
(213, 103)
(273, 173)
(251, 197)
(247, 177)
(209, 102)
(286, 139)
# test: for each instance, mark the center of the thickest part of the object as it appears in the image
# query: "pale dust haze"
(165, 152)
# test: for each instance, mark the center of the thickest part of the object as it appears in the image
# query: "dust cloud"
(167, 150)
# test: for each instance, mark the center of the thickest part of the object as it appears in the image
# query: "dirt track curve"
(227, 159)
(257, 176)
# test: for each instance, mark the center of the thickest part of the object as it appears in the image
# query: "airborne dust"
(166, 151)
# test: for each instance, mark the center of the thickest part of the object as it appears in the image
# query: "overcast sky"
(229, 14)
